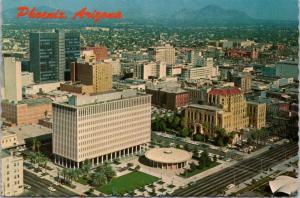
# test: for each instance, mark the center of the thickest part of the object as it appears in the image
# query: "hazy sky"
(259, 9)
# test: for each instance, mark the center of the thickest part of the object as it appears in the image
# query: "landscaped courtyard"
(127, 183)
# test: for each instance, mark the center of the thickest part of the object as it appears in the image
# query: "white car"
(56, 183)
(51, 189)
(27, 186)
(230, 186)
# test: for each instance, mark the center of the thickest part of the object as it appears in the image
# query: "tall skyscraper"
(51, 54)
(12, 79)
(72, 43)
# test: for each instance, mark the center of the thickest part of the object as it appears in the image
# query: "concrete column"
(77, 164)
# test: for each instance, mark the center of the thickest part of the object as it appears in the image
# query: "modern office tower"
(257, 114)
(100, 127)
(72, 47)
(12, 79)
(163, 54)
(152, 69)
(11, 174)
(225, 108)
(50, 54)
(96, 74)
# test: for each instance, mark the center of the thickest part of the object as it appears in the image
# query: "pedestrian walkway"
(80, 189)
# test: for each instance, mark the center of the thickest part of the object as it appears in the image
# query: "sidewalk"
(80, 189)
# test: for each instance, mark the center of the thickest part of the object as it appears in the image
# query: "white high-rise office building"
(100, 127)
(12, 79)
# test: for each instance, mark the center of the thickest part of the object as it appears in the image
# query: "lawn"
(128, 182)
(197, 171)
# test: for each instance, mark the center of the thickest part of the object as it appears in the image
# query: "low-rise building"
(169, 97)
(9, 140)
(11, 174)
(242, 80)
(225, 108)
(26, 111)
(146, 71)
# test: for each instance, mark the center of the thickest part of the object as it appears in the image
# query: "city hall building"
(100, 127)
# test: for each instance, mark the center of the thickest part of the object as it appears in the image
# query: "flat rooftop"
(29, 131)
(168, 155)
(206, 107)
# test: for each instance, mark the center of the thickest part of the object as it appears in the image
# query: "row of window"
(94, 109)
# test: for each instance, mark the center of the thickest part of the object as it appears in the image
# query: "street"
(236, 174)
(39, 187)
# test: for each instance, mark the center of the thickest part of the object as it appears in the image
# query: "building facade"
(195, 73)
(101, 127)
(97, 74)
(257, 114)
(168, 97)
(147, 70)
(51, 54)
(72, 49)
(287, 69)
(11, 174)
(101, 52)
(163, 54)
(243, 80)
(225, 108)
(27, 111)
(12, 79)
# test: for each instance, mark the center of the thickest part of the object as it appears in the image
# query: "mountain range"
(172, 14)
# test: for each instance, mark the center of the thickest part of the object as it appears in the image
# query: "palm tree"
(71, 174)
(109, 172)
(34, 140)
(87, 165)
(64, 173)
(38, 145)
(99, 179)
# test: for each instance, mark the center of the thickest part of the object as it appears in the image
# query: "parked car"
(50, 188)
(27, 186)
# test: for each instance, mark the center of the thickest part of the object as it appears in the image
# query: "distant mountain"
(210, 14)
(139, 14)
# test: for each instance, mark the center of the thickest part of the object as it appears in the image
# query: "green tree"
(185, 132)
(34, 141)
(99, 179)
(86, 167)
(196, 152)
(215, 158)
(176, 122)
(109, 172)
